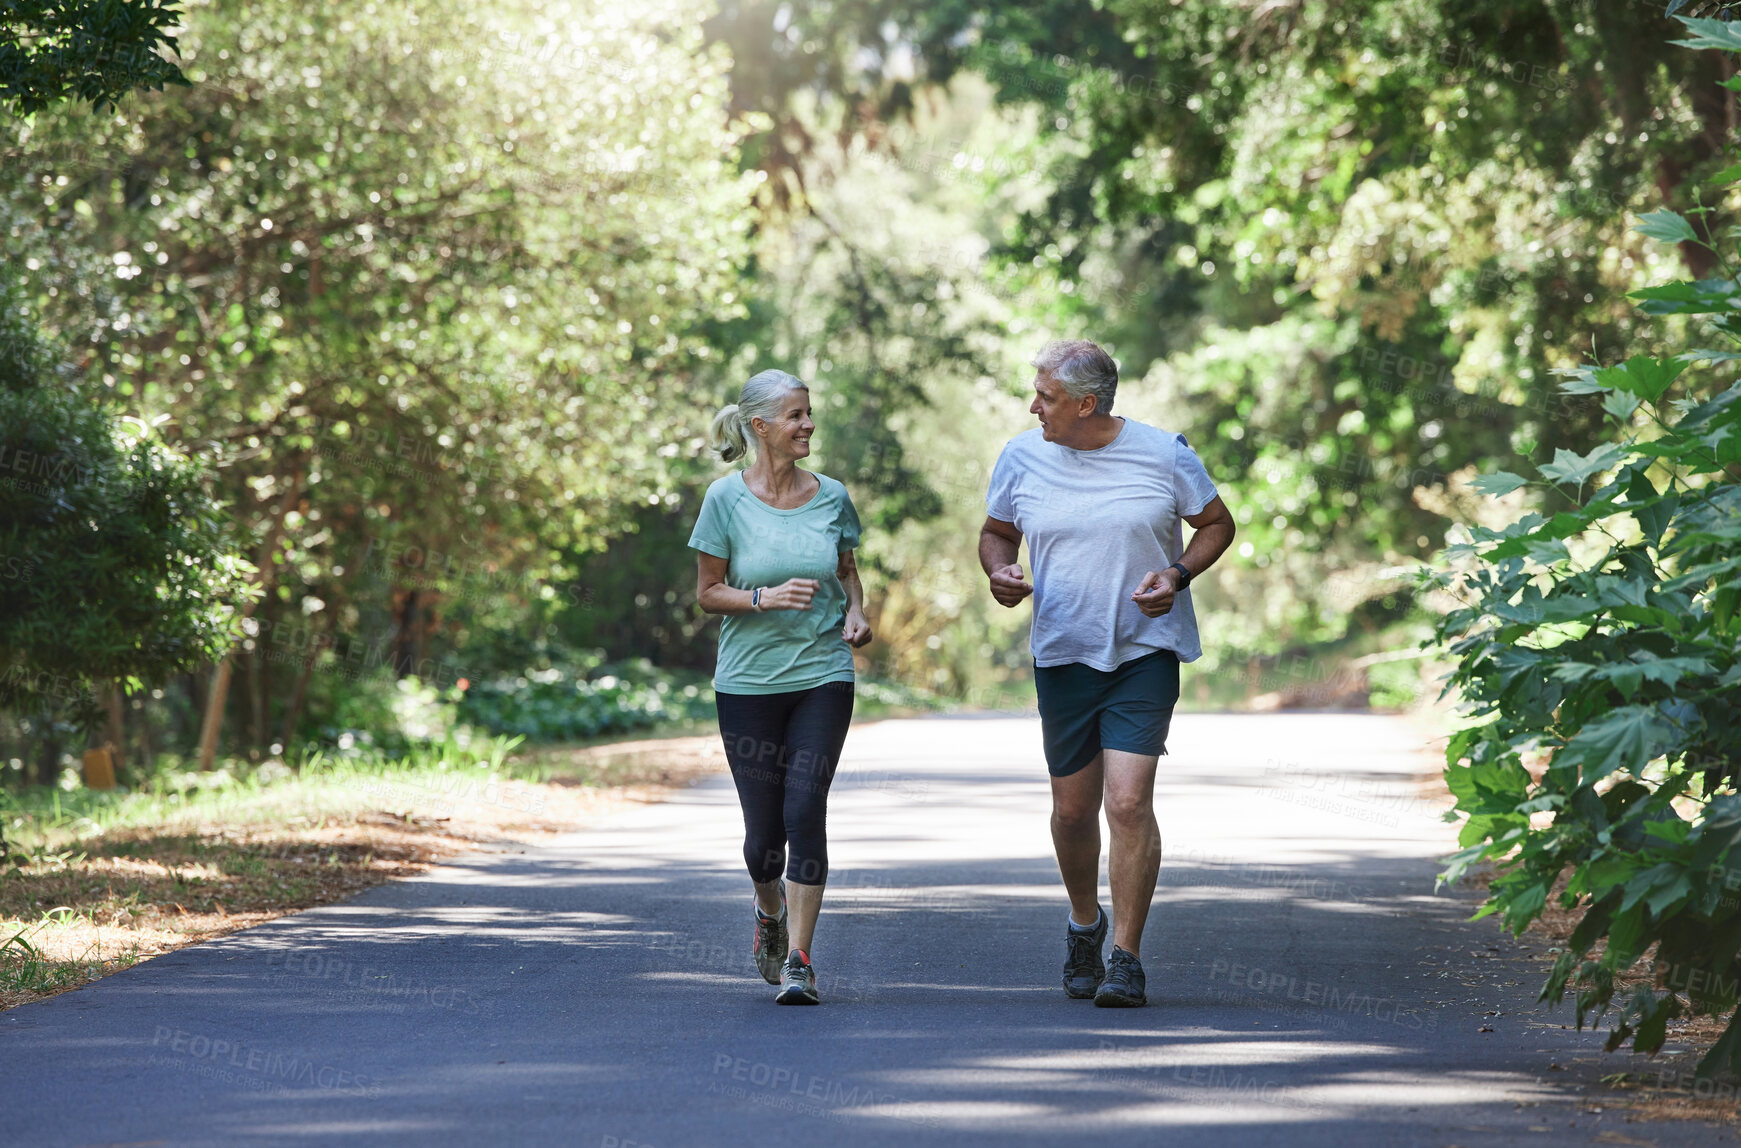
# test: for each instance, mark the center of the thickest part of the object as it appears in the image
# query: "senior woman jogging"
(1100, 499)
(776, 545)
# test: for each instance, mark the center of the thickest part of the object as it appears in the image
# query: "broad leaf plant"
(1596, 655)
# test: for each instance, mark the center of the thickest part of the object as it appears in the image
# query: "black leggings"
(783, 749)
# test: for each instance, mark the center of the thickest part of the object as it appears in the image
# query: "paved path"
(1308, 988)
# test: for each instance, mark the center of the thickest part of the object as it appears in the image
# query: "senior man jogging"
(1100, 499)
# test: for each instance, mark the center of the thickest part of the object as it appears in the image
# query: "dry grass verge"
(91, 903)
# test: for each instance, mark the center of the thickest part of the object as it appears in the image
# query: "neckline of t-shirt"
(757, 499)
(1124, 422)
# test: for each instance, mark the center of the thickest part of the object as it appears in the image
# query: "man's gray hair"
(1081, 368)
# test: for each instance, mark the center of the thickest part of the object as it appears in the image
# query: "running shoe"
(798, 985)
(771, 940)
(1083, 969)
(1125, 986)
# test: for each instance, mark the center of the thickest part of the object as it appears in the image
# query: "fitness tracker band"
(1184, 574)
(756, 599)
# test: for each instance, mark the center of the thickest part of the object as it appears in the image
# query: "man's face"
(1059, 413)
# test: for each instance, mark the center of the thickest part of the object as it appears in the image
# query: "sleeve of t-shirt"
(1192, 489)
(1000, 496)
(712, 533)
(846, 523)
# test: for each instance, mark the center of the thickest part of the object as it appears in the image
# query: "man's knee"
(1130, 809)
(1073, 817)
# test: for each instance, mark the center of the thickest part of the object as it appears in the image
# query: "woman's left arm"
(857, 631)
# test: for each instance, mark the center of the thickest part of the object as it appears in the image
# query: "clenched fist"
(1008, 585)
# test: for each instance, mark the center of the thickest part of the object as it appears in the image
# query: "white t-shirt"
(1096, 521)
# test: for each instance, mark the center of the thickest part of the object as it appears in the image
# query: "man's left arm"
(1213, 534)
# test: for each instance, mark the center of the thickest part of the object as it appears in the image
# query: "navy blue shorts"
(1084, 710)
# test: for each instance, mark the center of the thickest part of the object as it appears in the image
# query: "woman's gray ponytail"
(761, 398)
(727, 435)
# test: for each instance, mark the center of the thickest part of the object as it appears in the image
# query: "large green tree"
(116, 566)
(427, 278)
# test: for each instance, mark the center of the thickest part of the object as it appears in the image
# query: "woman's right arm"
(710, 588)
(718, 598)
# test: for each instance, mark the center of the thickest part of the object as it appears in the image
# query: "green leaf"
(1642, 375)
(1729, 174)
(1578, 469)
(1666, 225)
(1524, 906)
(1652, 511)
(1626, 679)
(1704, 356)
(1620, 406)
(1710, 34)
(1629, 738)
(1702, 297)
(1546, 552)
(1670, 671)
(1613, 590)
(1702, 573)
(1498, 484)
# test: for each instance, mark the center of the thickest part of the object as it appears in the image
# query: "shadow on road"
(1308, 989)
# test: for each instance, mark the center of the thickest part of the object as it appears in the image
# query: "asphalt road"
(1307, 986)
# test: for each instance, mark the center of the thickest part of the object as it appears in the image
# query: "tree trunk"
(113, 730)
(196, 696)
(405, 642)
(214, 718)
(293, 711)
(256, 668)
(208, 734)
(145, 755)
(48, 766)
(267, 645)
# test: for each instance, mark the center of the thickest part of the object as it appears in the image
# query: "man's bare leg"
(1135, 860)
(1076, 838)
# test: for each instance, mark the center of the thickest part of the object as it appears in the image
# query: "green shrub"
(392, 715)
(1598, 656)
(567, 704)
(116, 564)
(1394, 685)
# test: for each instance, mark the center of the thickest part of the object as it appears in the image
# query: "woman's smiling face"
(788, 432)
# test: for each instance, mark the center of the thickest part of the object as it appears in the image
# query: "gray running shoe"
(1125, 986)
(1083, 969)
(771, 940)
(798, 985)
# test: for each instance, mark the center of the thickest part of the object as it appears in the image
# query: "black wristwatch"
(1184, 574)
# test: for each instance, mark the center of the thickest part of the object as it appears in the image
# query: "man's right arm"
(999, 544)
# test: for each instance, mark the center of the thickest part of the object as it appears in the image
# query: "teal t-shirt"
(780, 650)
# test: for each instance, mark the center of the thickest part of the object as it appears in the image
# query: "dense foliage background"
(438, 299)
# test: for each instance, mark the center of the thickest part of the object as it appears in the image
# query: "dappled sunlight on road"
(1307, 985)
